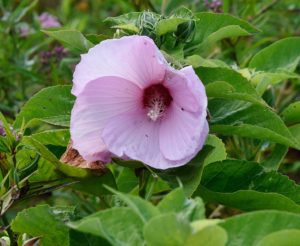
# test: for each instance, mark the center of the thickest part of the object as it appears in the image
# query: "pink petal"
(99, 101)
(195, 86)
(182, 133)
(179, 87)
(135, 58)
(136, 137)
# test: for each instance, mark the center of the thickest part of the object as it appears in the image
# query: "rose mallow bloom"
(132, 104)
(48, 21)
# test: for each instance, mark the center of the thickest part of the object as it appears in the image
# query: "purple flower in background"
(55, 55)
(132, 104)
(214, 5)
(24, 31)
(47, 20)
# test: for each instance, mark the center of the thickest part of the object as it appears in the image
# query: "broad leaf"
(211, 27)
(189, 175)
(145, 210)
(209, 236)
(263, 79)
(177, 202)
(295, 130)
(219, 151)
(289, 237)
(44, 152)
(33, 220)
(167, 229)
(171, 230)
(274, 160)
(72, 39)
(59, 137)
(250, 228)
(245, 185)
(227, 83)
(95, 184)
(51, 105)
(291, 114)
(235, 117)
(283, 54)
(119, 226)
(198, 61)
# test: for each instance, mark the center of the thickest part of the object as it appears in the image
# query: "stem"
(9, 231)
(216, 212)
(163, 6)
(151, 189)
(143, 180)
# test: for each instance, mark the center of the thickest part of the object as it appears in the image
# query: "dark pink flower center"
(156, 100)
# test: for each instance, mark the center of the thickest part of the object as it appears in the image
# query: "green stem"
(143, 180)
(151, 189)
(9, 231)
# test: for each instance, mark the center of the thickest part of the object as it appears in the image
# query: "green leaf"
(189, 175)
(177, 202)
(119, 226)
(219, 151)
(78, 239)
(127, 27)
(283, 54)
(127, 22)
(96, 38)
(246, 186)
(127, 180)
(211, 27)
(46, 172)
(44, 152)
(274, 160)
(210, 23)
(289, 237)
(130, 18)
(166, 230)
(224, 32)
(21, 10)
(59, 137)
(10, 138)
(198, 61)
(171, 230)
(208, 236)
(33, 220)
(95, 184)
(173, 202)
(72, 39)
(169, 25)
(234, 117)
(144, 209)
(227, 83)
(51, 105)
(172, 5)
(256, 225)
(291, 114)
(264, 79)
(4, 145)
(295, 130)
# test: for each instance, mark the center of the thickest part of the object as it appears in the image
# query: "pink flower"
(24, 31)
(47, 20)
(131, 104)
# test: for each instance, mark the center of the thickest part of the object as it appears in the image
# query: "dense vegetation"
(240, 189)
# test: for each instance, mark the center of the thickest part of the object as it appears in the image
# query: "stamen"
(156, 99)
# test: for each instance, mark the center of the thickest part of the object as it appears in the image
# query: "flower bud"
(185, 31)
(147, 23)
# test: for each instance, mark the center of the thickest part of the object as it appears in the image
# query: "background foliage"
(246, 53)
